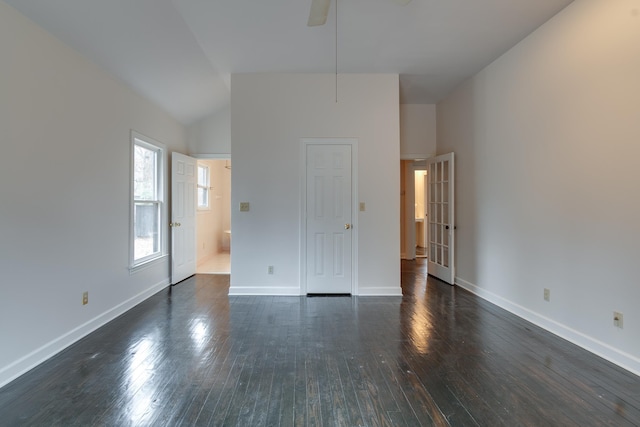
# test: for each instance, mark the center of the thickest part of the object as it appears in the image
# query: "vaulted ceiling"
(181, 53)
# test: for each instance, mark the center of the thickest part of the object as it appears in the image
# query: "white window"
(148, 211)
(203, 187)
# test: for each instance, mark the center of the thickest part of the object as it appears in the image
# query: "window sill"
(147, 264)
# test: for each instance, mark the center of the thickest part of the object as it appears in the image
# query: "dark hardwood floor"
(191, 355)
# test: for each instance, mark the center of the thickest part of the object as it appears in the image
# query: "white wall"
(417, 141)
(212, 134)
(64, 183)
(271, 112)
(417, 131)
(547, 143)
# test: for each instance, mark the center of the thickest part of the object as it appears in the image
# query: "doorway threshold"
(327, 295)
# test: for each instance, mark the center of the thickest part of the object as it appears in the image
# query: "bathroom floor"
(217, 264)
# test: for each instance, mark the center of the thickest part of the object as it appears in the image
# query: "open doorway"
(421, 228)
(414, 230)
(213, 228)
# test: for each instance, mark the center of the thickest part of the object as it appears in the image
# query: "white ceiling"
(180, 53)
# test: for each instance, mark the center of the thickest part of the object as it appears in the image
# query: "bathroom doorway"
(414, 233)
(421, 222)
(213, 229)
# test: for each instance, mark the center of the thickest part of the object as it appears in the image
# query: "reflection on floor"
(191, 355)
(218, 264)
(421, 252)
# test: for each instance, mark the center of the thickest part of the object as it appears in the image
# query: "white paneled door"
(440, 173)
(329, 235)
(183, 217)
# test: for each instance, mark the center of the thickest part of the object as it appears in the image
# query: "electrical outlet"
(244, 206)
(270, 269)
(547, 294)
(617, 319)
(85, 298)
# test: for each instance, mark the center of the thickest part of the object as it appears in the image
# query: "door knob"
(347, 226)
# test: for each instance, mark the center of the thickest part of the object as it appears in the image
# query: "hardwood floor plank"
(314, 402)
(403, 401)
(381, 395)
(336, 402)
(191, 410)
(262, 391)
(280, 410)
(419, 398)
(447, 402)
(353, 406)
(243, 402)
(224, 396)
(206, 403)
(300, 389)
(362, 392)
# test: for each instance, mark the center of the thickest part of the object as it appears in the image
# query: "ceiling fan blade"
(319, 12)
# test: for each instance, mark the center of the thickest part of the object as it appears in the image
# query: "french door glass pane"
(147, 230)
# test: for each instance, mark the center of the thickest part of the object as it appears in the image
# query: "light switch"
(244, 206)
(362, 207)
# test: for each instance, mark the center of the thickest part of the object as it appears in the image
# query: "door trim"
(304, 142)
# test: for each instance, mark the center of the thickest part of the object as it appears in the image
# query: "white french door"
(440, 176)
(328, 206)
(183, 217)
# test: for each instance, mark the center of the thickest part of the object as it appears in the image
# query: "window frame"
(158, 148)
(206, 187)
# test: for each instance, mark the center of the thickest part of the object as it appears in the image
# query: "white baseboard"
(372, 291)
(613, 355)
(294, 291)
(264, 291)
(36, 357)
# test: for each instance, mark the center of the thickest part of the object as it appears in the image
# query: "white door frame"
(304, 142)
